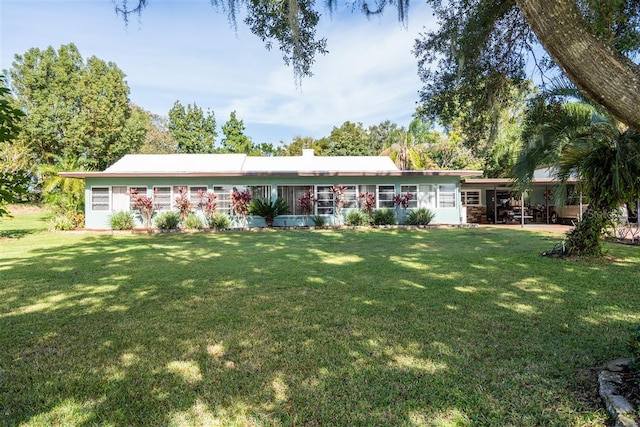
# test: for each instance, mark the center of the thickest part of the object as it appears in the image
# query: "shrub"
(121, 220)
(183, 203)
(357, 218)
(267, 209)
(62, 222)
(383, 216)
(219, 221)
(420, 216)
(319, 221)
(193, 222)
(168, 220)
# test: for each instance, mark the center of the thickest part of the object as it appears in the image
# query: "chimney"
(307, 152)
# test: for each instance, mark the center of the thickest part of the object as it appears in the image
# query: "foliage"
(380, 136)
(580, 140)
(193, 130)
(208, 204)
(240, 204)
(65, 221)
(167, 220)
(75, 108)
(368, 203)
(219, 221)
(402, 200)
(320, 147)
(121, 220)
(183, 202)
(420, 216)
(63, 194)
(307, 202)
(633, 344)
(268, 209)
(383, 216)
(350, 139)
(13, 178)
(235, 141)
(339, 200)
(158, 139)
(193, 222)
(144, 206)
(409, 147)
(356, 218)
(319, 221)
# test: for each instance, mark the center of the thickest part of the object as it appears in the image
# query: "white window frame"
(427, 196)
(223, 197)
(413, 189)
(324, 200)
(117, 202)
(95, 203)
(447, 196)
(291, 194)
(464, 197)
(385, 198)
(196, 203)
(158, 199)
(132, 205)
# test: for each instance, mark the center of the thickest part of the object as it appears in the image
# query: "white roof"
(178, 163)
(242, 165)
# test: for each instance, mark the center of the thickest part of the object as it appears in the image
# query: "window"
(133, 193)
(386, 194)
(162, 198)
(259, 191)
(350, 197)
(100, 199)
(224, 198)
(470, 197)
(447, 196)
(291, 194)
(413, 190)
(324, 204)
(426, 196)
(120, 198)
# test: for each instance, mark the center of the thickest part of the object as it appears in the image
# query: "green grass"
(345, 328)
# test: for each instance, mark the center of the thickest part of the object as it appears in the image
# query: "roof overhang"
(510, 182)
(460, 173)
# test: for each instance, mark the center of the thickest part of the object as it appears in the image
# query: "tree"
(409, 146)
(192, 129)
(350, 139)
(73, 107)
(582, 140)
(380, 136)
(587, 38)
(235, 141)
(320, 147)
(13, 178)
(158, 140)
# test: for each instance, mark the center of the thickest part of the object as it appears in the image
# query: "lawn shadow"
(313, 328)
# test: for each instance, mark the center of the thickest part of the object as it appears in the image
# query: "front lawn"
(278, 328)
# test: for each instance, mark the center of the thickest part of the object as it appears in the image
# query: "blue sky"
(186, 51)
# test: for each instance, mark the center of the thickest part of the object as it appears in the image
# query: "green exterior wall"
(100, 219)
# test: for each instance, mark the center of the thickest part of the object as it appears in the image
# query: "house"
(161, 175)
(494, 200)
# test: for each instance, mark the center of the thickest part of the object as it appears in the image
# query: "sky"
(186, 50)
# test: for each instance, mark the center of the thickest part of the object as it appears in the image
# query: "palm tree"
(408, 146)
(579, 139)
(65, 195)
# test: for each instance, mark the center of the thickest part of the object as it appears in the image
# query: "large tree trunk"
(608, 78)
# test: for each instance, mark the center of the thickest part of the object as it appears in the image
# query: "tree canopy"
(193, 130)
(483, 42)
(73, 107)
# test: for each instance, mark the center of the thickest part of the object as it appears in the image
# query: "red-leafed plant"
(208, 203)
(403, 200)
(144, 206)
(368, 202)
(306, 202)
(182, 203)
(240, 202)
(339, 200)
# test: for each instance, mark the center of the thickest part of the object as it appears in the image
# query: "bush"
(319, 221)
(357, 218)
(383, 216)
(267, 209)
(121, 220)
(420, 216)
(219, 221)
(193, 222)
(61, 222)
(168, 220)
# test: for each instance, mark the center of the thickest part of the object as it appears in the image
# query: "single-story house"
(494, 200)
(162, 175)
